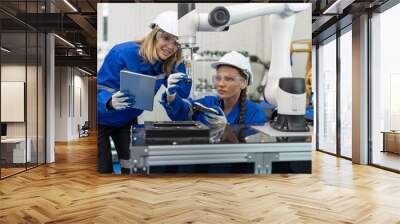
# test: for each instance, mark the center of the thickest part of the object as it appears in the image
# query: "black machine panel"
(176, 132)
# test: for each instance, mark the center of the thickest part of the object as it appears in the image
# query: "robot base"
(290, 123)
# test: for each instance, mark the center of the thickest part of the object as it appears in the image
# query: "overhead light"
(337, 7)
(70, 5)
(84, 71)
(64, 40)
(5, 50)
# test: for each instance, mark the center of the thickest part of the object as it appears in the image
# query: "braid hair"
(242, 98)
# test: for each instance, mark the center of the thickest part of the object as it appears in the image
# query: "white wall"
(33, 126)
(79, 117)
(12, 73)
(70, 83)
(61, 107)
(127, 22)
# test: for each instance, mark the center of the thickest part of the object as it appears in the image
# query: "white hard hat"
(238, 61)
(167, 21)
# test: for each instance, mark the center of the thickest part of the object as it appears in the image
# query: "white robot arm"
(283, 91)
(220, 18)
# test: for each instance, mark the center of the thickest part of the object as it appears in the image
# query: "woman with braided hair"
(229, 106)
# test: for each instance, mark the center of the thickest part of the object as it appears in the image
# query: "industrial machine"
(283, 146)
(240, 146)
(176, 132)
(288, 94)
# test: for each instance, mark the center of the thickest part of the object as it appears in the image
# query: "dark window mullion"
(37, 90)
(369, 96)
(0, 99)
(47, 5)
(316, 105)
(26, 87)
(338, 98)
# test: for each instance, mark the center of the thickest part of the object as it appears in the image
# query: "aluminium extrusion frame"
(261, 154)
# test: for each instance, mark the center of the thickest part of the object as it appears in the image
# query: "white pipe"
(65, 41)
(70, 5)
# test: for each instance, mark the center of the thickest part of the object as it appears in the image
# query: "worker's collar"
(220, 102)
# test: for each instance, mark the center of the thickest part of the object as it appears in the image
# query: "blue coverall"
(310, 108)
(123, 56)
(117, 123)
(179, 110)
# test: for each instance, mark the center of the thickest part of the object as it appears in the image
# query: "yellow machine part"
(305, 46)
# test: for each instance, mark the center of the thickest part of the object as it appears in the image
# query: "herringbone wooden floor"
(71, 191)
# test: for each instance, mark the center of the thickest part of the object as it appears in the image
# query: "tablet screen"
(141, 86)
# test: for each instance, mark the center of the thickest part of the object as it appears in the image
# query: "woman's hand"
(121, 100)
(179, 83)
(215, 120)
(215, 116)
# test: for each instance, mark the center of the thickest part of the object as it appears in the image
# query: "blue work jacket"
(179, 110)
(123, 56)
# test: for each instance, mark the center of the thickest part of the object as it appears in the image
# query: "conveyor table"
(229, 145)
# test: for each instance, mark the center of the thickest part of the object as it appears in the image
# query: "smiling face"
(166, 45)
(229, 82)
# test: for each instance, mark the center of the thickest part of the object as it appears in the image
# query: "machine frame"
(263, 154)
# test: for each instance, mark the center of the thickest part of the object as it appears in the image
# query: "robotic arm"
(220, 18)
(282, 90)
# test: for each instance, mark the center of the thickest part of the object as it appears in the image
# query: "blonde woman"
(157, 54)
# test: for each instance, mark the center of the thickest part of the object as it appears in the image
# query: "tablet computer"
(141, 86)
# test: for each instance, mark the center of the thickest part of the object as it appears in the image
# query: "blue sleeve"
(177, 110)
(258, 117)
(180, 109)
(309, 113)
(208, 101)
(109, 77)
(181, 68)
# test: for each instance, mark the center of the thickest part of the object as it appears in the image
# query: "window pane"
(327, 97)
(13, 86)
(346, 94)
(386, 88)
(31, 96)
